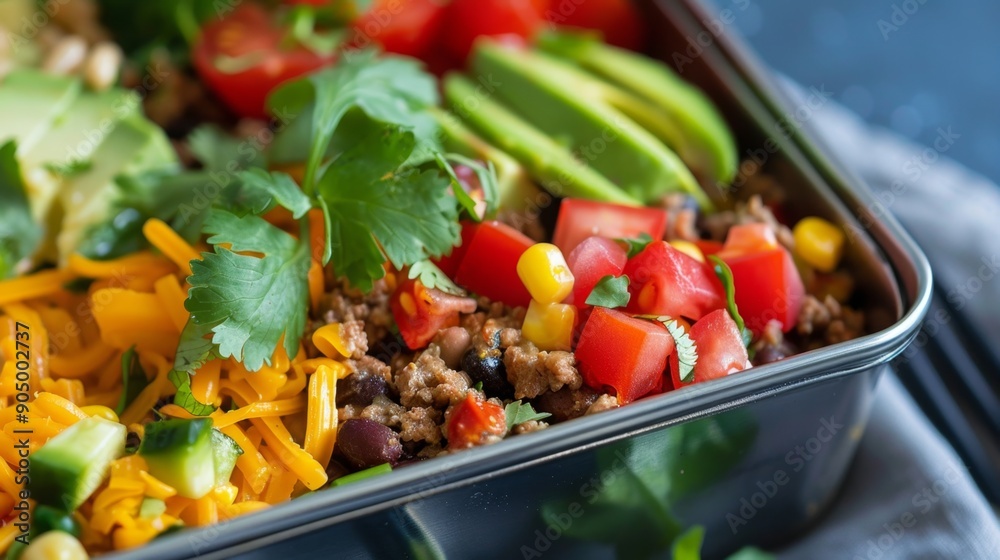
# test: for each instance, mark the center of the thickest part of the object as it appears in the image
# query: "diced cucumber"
(179, 453)
(70, 467)
(226, 452)
(152, 507)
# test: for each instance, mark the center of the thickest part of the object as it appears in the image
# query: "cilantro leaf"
(687, 352)
(725, 275)
(194, 350)
(433, 278)
(221, 152)
(250, 301)
(390, 89)
(636, 245)
(687, 546)
(134, 380)
(487, 176)
(519, 413)
(379, 211)
(19, 234)
(610, 292)
(281, 187)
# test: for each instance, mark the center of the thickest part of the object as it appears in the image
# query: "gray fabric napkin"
(908, 496)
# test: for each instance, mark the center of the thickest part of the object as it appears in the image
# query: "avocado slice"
(517, 190)
(536, 87)
(134, 146)
(552, 164)
(30, 102)
(72, 465)
(707, 143)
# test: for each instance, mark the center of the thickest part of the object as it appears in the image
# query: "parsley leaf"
(433, 278)
(725, 275)
(610, 292)
(519, 413)
(390, 89)
(379, 211)
(637, 245)
(19, 234)
(134, 380)
(687, 352)
(281, 187)
(251, 301)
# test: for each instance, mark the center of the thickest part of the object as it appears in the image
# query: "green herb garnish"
(634, 246)
(519, 413)
(134, 380)
(610, 292)
(687, 351)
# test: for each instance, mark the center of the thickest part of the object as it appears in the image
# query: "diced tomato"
(721, 351)
(473, 421)
(593, 259)
(708, 247)
(243, 57)
(580, 219)
(449, 264)
(619, 21)
(489, 266)
(421, 312)
(628, 354)
(407, 27)
(467, 20)
(665, 281)
(768, 286)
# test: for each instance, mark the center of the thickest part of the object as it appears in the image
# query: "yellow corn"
(545, 273)
(100, 412)
(819, 243)
(689, 249)
(550, 325)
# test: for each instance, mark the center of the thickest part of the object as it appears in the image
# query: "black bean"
(487, 367)
(566, 404)
(365, 443)
(360, 389)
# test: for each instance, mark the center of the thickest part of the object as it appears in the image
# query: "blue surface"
(937, 66)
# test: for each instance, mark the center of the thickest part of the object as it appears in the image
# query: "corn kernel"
(689, 249)
(545, 273)
(819, 243)
(550, 325)
(100, 412)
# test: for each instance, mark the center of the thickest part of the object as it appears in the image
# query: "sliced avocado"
(552, 164)
(179, 453)
(225, 451)
(630, 156)
(30, 102)
(134, 146)
(72, 465)
(517, 191)
(708, 144)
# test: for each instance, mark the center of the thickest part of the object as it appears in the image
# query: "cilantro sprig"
(725, 275)
(636, 245)
(518, 412)
(687, 351)
(19, 233)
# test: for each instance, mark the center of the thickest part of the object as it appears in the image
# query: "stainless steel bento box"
(754, 458)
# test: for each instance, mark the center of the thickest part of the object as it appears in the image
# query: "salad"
(254, 250)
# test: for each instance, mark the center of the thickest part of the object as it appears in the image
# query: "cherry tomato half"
(467, 20)
(407, 27)
(243, 57)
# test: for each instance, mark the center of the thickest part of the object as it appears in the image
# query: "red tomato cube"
(665, 281)
(489, 267)
(580, 219)
(592, 260)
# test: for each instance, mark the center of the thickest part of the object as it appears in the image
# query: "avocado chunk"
(517, 190)
(707, 144)
(541, 90)
(72, 465)
(134, 146)
(30, 103)
(552, 164)
(179, 453)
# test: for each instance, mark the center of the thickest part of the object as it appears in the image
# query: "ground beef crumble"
(828, 322)
(532, 371)
(429, 382)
